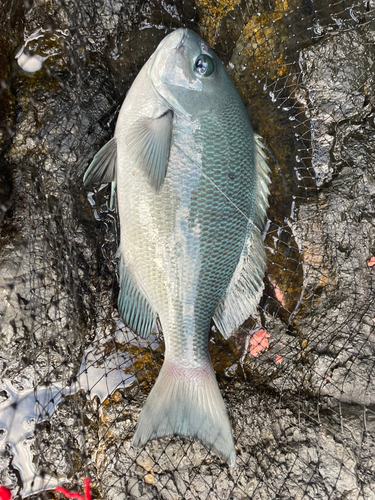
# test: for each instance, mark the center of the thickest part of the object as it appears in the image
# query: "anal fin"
(133, 306)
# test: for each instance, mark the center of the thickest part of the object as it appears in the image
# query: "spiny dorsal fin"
(246, 287)
(149, 141)
(102, 169)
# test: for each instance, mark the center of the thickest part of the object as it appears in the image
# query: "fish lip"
(182, 39)
(178, 46)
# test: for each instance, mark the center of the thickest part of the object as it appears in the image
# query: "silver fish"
(192, 187)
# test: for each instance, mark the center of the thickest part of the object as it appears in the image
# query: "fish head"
(187, 74)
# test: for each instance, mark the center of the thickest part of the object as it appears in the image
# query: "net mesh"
(298, 376)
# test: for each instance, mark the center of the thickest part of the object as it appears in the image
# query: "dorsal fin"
(263, 181)
(149, 141)
(246, 286)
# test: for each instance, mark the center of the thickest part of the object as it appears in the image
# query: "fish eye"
(204, 65)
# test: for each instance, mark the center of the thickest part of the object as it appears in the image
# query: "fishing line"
(220, 191)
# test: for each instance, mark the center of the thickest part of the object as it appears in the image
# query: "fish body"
(191, 183)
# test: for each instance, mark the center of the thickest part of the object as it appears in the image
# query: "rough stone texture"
(336, 236)
(304, 427)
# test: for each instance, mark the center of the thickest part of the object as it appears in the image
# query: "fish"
(192, 180)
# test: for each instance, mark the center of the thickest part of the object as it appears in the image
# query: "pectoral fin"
(149, 141)
(102, 169)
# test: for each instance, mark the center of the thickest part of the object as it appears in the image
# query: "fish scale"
(191, 183)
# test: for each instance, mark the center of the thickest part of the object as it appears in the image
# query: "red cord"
(6, 494)
(86, 483)
(77, 496)
(68, 494)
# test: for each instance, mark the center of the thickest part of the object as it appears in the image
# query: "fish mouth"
(170, 72)
(182, 39)
(174, 40)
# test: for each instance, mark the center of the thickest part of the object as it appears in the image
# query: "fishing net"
(298, 377)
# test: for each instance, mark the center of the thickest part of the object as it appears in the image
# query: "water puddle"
(38, 47)
(102, 371)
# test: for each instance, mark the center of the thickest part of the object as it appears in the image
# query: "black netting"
(297, 377)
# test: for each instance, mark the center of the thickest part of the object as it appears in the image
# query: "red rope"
(6, 494)
(68, 494)
(86, 483)
(77, 496)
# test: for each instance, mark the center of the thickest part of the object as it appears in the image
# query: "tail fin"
(187, 402)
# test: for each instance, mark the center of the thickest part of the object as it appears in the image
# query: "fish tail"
(187, 402)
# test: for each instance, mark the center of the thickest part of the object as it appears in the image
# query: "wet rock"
(338, 88)
(335, 236)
